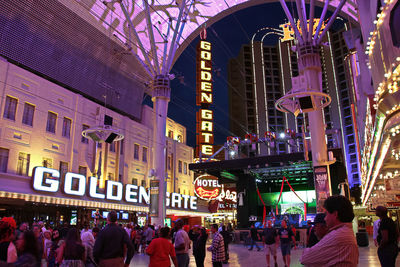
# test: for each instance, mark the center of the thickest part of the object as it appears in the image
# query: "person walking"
(375, 230)
(56, 243)
(227, 239)
(285, 236)
(161, 250)
(8, 252)
(110, 244)
(88, 243)
(387, 238)
(254, 236)
(182, 244)
(217, 247)
(270, 238)
(338, 247)
(71, 253)
(148, 233)
(28, 250)
(199, 238)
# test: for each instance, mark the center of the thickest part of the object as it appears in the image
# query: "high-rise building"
(262, 74)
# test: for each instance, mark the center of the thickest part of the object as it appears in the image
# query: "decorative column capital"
(161, 87)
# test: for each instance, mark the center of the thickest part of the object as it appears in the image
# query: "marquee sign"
(207, 187)
(204, 98)
(48, 180)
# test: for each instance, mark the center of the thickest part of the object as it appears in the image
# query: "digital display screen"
(93, 212)
(74, 217)
(167, 221)
(125, 216)
(105, 214)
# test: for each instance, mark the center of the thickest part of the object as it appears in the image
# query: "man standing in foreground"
(338, 247)
(182, 243)
(387, 238)
(320, 228)
(217, 247)
(270, 238)
(285, 235)
(110, 244)
(254, 237)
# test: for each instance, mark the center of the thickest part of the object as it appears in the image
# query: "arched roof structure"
(109, 17)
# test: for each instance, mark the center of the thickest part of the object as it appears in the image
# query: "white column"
(161, 94)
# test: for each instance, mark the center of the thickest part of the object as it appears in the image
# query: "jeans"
(254, 242)
(387, 255)
(183, 259)
(217, 263)
(199, 260)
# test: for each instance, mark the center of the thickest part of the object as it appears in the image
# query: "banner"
(154, 194)
(322, 186)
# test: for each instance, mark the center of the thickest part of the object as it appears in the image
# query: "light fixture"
(282, 135)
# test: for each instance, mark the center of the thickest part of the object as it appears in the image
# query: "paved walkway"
(240, 256)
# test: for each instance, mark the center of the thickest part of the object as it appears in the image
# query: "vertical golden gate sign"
(204, 99)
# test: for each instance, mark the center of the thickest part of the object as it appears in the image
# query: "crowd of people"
(330, 242)
(114, 245)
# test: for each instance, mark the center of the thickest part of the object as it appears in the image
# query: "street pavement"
(241, 256)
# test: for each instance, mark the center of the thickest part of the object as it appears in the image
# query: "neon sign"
(48, 180)
(207, 187)
(204, 98)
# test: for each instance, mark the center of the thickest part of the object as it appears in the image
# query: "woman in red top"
(160, 249)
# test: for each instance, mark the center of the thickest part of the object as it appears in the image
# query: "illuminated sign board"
(48, 180)
(207, 187)
(288, 33)
(204, 98)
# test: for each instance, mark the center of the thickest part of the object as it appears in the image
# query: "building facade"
(262, 74)
(41, 125)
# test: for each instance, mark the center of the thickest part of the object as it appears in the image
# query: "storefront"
(74, 199)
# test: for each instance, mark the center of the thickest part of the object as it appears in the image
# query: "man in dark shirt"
(270, 238)
(318, 231)
(387, 239)
(285, 235)
(199, 238)
(254, 237)
(110, 244)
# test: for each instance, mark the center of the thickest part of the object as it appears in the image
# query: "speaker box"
(306, 103)
(108, 120)
(94, 136)
(111, 138)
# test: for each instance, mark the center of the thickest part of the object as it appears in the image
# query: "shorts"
(285, 248)
(270, 249)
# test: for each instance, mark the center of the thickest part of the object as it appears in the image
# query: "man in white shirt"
(182, 245)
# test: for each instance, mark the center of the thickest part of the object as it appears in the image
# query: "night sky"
(227, 36)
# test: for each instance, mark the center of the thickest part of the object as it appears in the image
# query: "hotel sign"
(207, 187)
(204, 99)
(48, 180)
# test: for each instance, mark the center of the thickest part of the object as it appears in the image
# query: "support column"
(160, 98)
(310, 67)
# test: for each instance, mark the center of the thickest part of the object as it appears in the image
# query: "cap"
(319, 218)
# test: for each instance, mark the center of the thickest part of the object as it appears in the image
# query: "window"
(10, 108)
(82, 170)
(48, 163)
(169, 162)
(184, 168)
(110, 176)
(136, 151)
(23, 163)
(180, 166)
(66, 130)
(121, 147)
(144, 183)
(134, 181)
(3, 159)
(51, 122)
(27, 117)
(144, 154)
(112, 147)
(84, 139)
(180, 139)
(170, 134)
(63, 168)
